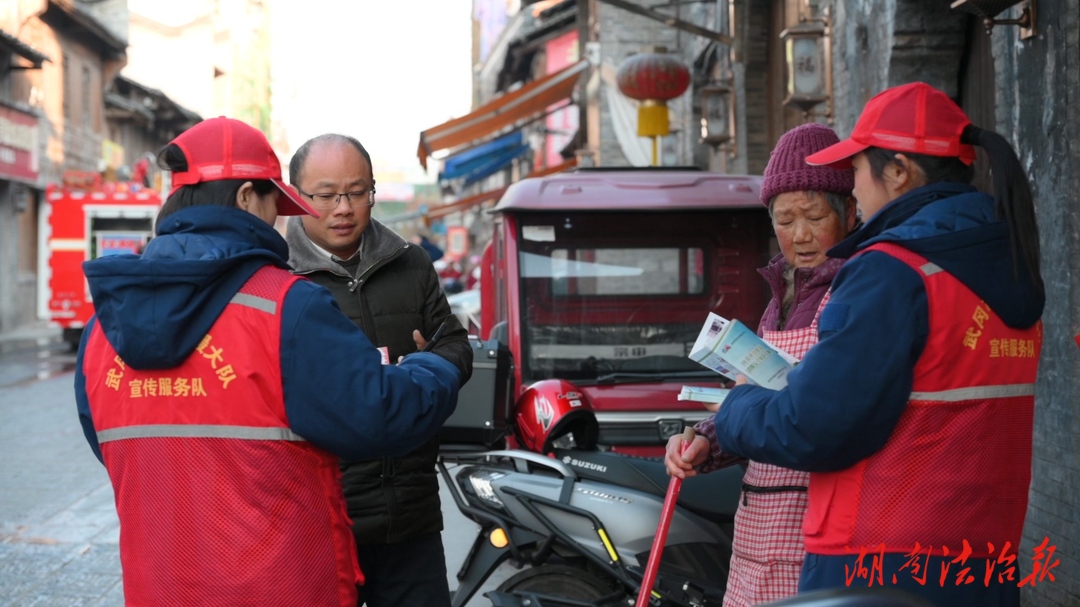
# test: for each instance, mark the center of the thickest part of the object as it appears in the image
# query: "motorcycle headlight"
(480, 481)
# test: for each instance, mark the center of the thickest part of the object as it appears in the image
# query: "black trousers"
(411, 573)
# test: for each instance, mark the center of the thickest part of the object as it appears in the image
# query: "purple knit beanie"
(788, 171)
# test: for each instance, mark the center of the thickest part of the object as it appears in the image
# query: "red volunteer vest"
(958, 464)
(220, 503)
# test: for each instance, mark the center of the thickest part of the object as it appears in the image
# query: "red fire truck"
(86, 218)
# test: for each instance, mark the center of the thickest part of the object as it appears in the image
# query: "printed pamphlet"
(703, 394)
(704, 348)
(731, 348)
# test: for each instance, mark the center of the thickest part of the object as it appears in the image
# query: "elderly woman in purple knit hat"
(812, 209)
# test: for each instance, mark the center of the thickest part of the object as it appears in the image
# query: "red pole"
(662, 529)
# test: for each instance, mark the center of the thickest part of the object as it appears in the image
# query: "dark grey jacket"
(388, 289)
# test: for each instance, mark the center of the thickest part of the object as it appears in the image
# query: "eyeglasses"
(330, 200)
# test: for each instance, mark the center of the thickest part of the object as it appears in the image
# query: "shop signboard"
(561, 124)
(457, 242)
(18, 145)
(117, 243)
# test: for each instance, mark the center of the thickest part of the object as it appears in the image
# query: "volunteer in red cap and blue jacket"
(219, 390)
(914, 411)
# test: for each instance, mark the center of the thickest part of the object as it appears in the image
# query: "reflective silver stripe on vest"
(182, 431)
(930, 268)
(259, 303)
(977, 393)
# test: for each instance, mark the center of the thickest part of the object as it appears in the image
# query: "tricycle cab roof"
(638, 190)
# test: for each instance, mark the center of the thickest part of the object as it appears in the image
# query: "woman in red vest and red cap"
(914, 411)
(812, 210)
(219, 390)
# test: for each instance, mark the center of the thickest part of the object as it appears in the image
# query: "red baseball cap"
(225, 148)
(915, 118)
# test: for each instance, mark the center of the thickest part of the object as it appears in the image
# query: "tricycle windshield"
(622, 297)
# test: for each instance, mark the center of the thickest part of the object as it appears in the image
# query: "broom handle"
(666, 513)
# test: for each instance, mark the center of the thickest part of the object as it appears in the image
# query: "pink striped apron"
(768, 547)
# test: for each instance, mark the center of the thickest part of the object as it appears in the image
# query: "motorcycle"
(580, 521)
(577, 520)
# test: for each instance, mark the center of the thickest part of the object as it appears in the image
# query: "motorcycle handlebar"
(519, 457)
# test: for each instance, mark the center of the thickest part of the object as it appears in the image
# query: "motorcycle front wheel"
(559, 581)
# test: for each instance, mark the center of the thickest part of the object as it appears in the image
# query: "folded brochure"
(703, 394)
(730, 348)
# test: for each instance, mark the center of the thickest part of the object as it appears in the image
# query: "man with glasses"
(389, 288)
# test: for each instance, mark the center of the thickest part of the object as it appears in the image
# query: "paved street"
(58, 527)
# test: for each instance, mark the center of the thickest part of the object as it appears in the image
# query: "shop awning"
(18, 47)
(483, 160)
(528, 102)
(467, 203)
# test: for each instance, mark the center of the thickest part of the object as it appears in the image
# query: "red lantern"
(652, 78)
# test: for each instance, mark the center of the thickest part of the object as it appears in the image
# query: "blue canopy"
(486, 159)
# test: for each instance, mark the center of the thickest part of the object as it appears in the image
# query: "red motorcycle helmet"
(550, 409)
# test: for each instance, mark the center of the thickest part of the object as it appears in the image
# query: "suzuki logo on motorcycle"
(545, 413)
(604, 496)
(586, 465)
